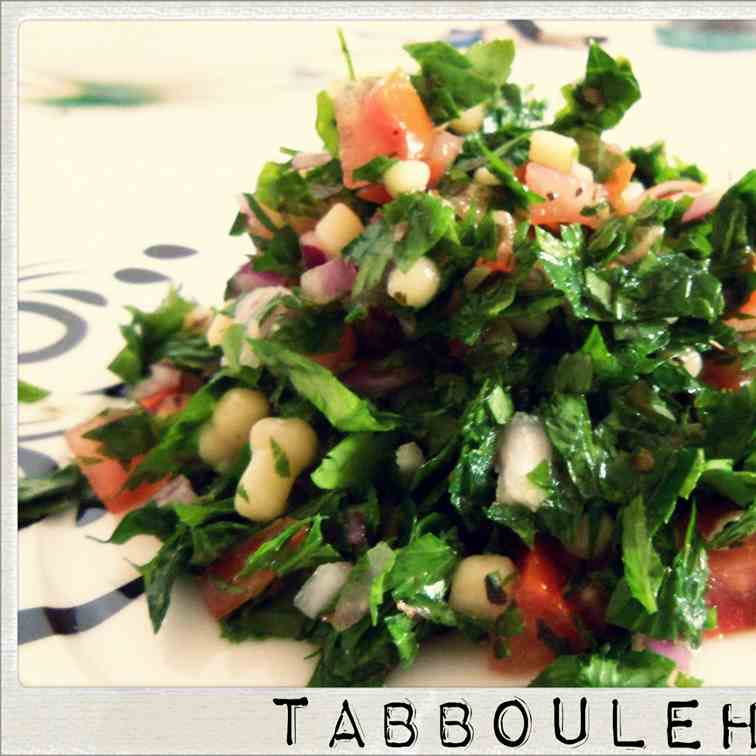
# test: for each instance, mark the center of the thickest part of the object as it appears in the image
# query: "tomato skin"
(388, 118)
(224, 570)
(538, 595)
(375, 193)
(107, 476)
(732, 587)
(618, 181)
(152, 402)
(334, 361)
(172, 399)
(725, 375)
(570, 195)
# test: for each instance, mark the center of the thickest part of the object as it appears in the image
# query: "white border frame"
(238, 720)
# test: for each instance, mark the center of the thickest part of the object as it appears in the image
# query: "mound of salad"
(483, 372)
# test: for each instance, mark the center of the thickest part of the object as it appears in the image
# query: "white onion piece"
(303, 161)
(354, 601)
(251, 306)
(523, 445)
(321, 588)
(702, 205)
(328, 282)
(162, 377)
(177, 490)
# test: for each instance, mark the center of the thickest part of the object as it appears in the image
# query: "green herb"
(601, 99)
(344, 409)
(355, 460)
(347, 55)
(682, 611)
(28, 394)
(652, 166)
(734, 227)
(280, 460)
(325, 123)
(643, 567)
(275, 617)
(61, 490)
(450, 82)
(402, 631)
(629, 669)
(427, 219)
(146, 334)
(374, 169)
(736, 531)
(125, 437)
(275, 553)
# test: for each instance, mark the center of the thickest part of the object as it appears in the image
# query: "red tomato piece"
(152, 402)
(107, 476)
(382, 118)
(375, 193)
(340, 358)
(732, 587)
(221, 602)
(566, 196)
(725, 375)
(538, 595)
(442, 153)
(617, 183)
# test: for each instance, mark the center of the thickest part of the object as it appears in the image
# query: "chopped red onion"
(177, 490)
(366, 379)
(702, 205)
(679, 653)
(162, 376)
(303, 161)
(312, 254)
(673, 187)
(329, 281)
(246, 279)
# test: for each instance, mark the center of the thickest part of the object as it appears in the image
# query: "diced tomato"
(736, 319)
(732, 587)
(618, 181)
(375, 193)
(173, 399)
(341, 357)
(442, 153)
(725, 374)
(107, 476)
(566, 196)
(382, 118)
(538, 595)
(505, 263)
(223, 572)
(152, 402)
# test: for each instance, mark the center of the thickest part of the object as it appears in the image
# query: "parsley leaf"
(28, 393)
(601, 99)
(325, 123)
(344, 409)
(629, 669)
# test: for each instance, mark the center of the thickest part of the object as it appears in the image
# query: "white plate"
(101, 188)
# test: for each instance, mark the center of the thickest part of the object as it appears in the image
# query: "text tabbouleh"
(483, 372)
